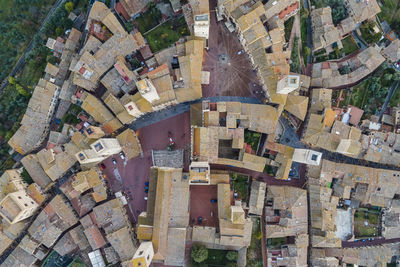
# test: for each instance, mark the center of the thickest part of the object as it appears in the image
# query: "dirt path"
(295, 30)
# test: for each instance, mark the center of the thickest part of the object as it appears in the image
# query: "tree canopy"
(199, 253)
(232, 255)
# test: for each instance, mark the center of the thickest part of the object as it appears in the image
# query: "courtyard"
(130, 177)
(230, 67)
(366, 223)
(201, 205)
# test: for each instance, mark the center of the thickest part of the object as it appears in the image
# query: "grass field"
(252, 138)
(359, 94)
(276, 242)
(216, 257)
(303, 32)
(31, 73)
(288, 28)
(295, 66)
(240, 185)
(366, 223)
(349, 45)
(254, 251)
(395, 97)
(149, 19)
(6, 6)
(318, 3)
(166, 34)
(390, 11)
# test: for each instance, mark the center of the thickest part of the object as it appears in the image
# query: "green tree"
(344, 69)
(338, 10)
(259, 235)
(337, 51)
(387, 77)
(9, 162)
(199, 253)
(129, 26)
(12, 80)
(59, 31)
(368, 32)
(231, 264)
(21, 90)
(9, 134)
(51, 59)
(232, 255)
(305, 13)
(26, 177)
(306, 51)
(69, 6)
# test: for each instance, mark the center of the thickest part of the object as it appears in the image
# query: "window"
(314, 157)
(81, 156)
(140, 253)
(98, 147)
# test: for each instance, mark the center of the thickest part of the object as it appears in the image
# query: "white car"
(121, 154)
(145, 198)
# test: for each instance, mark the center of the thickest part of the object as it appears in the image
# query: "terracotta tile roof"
(95, 238)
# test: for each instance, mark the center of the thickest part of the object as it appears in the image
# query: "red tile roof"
(355, 115)
(288, 10)
(121, 10)
(325, 65)
(158, 69)
(122, 73)
(95, 238)
(146, 52)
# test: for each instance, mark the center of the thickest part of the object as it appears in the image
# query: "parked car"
(145, 198)
(102, 166)
(122, 155)
(146, 191)
(213, 200)
(146, 188)
(146, 183)
(114, 161)
(370, 239)
(363, 240)
(200, 219)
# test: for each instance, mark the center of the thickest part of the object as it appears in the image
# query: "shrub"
(59, 31)
(69, 6)
(199, 253)
(21, 90)
(368, 33)
(232, 255)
